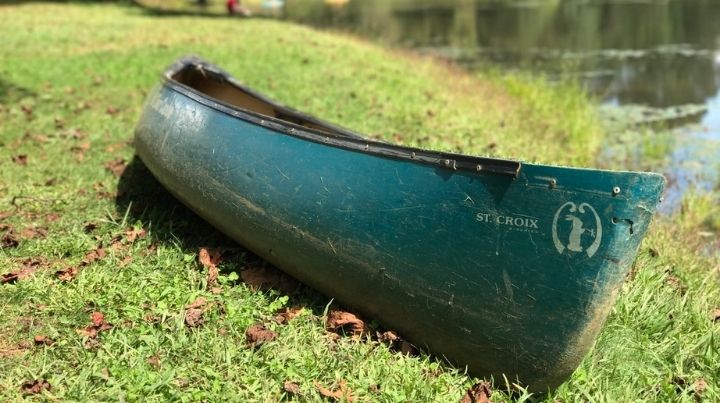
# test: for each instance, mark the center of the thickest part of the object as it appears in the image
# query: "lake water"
(663, 55)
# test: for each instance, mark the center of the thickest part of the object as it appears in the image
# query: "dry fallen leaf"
(9, 239)
(200, 302)
(478, 393)
(33, 232)
(699, 387)
(132, 234)
(288, 314)
(154, 361)
(117, 166)
(51, 217)
(342, 392)
(97, 325)
(28, 268)
(210, 258)
(258, 334)
(20, 159)
(80, 150)
(396, 342)
(94, 255)
(388, 337)
(194, 312)
(263, 278)
(341, 320)
(291, 388)
(716, 315)
(67, 273)
(35, 386)
(43, 340)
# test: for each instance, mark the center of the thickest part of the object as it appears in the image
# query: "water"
(664, 55)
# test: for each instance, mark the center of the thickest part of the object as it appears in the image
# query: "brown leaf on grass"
(78, 134)
(28, 268)
(716, 315)
(93, 256)
(52, 217)
(258, 334)
(132, 234)
(9, 239)
(5, 214)
(154, 361)
(194, 317)
(194, 312)
(111, 110)
(396, 342)
(41, 340)
(116, 166)
(200, 302)
(478, 393)
(126, 261)
(35, 386)
(20, 159)
(388, 337)
(291, 388)
(287, 315)
(264, 278)
(67, 273)
(27, 110)
(209, 256)
(33, 232)
(699, 387)
(90, 227)
(59, 122)
(99, 188)
(10, 351)
(342, 391)
(80, 150)
(97, 325)
(674, 281)
(340, 321)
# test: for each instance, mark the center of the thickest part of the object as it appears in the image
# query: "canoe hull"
(502, 274)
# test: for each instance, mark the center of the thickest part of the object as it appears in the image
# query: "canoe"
(496, 266)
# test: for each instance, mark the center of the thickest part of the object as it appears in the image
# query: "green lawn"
(88, 230)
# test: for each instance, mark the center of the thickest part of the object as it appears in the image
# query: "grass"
(72, 82)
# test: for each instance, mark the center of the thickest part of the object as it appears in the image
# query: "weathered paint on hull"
(503, 275)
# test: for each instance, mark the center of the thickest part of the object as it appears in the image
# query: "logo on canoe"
(577, 229)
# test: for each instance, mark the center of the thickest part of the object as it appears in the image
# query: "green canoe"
(503, 267)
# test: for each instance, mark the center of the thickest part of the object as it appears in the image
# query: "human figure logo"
(577, 229)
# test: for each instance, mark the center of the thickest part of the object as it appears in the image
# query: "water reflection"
(663, 54)
(654, 53)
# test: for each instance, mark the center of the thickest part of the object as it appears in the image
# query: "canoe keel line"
(495, 265)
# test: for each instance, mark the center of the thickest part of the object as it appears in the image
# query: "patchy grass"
(87, 231)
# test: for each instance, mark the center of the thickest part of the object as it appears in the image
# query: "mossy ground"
(73, 79)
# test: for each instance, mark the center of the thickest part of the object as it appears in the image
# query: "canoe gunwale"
(342, 138)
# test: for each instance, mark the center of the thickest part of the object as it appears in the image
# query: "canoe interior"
(218, 87)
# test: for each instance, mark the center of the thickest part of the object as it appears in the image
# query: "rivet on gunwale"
(412, 155)
(553, 183)
(616, 191)
(447, 163)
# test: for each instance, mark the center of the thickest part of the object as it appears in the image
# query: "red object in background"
(231, 6)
